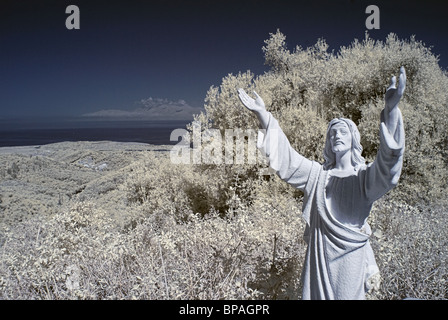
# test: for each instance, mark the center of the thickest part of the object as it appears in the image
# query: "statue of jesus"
(338, 194)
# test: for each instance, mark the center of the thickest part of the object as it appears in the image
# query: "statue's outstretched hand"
(394, 94)
(391, 115)
(255, 105)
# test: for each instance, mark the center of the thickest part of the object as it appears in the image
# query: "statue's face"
(340, 137)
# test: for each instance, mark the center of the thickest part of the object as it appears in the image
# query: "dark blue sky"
(126, 51)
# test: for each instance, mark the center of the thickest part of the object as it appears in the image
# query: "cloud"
(150, 109)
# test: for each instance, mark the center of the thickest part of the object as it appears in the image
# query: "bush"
(306, 88)
(180, 190)
(410, 245)
(82, 253)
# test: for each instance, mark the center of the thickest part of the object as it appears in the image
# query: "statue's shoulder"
(362, 169)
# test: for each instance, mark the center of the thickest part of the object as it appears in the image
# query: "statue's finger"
(241, 91)
(243, 97)
(242, 94)
(403, 70)
(402, 83)
(393, 82)
(399, 137)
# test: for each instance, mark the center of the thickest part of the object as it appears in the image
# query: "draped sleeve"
(382, 175)
(289, 165)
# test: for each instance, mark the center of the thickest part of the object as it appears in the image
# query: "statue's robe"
(339, 259)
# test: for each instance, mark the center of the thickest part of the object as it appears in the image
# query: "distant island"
(149, 109)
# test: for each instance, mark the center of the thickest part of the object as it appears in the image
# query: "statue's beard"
(341, 147)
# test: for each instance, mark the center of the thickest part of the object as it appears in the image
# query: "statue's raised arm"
(286, 162)
(386, 169)
(391, 117)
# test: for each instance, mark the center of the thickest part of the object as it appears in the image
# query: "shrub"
(306, 88)
(410, 245)
(82, 253)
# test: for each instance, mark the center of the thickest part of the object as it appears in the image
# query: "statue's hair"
(356, 157)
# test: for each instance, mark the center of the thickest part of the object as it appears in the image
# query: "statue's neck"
(344, 161)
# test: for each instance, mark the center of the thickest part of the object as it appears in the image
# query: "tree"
(306, 88)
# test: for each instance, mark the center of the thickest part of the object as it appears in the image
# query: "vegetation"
(229, 232)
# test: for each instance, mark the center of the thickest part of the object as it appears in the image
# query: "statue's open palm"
(256, 105)
(394, 94)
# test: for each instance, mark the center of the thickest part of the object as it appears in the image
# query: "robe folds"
(339, 260)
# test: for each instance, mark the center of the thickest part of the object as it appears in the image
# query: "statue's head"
(342, 136)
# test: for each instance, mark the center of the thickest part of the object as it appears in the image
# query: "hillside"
(38, 180)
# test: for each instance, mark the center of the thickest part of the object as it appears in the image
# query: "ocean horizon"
(31, 132)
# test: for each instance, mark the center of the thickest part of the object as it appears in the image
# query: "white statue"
(338, 195)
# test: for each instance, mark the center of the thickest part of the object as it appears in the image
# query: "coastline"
(104, 145)
(41, 180)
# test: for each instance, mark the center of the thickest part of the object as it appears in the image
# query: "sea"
(32, 132)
